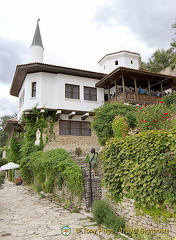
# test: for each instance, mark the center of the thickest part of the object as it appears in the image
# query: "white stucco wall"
(36, 53)
(76, 104)
(50, 92)
(107, 64)
(29, 101)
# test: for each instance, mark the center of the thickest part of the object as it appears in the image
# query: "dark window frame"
(89, 95)
(34, 89)
(74, 128)
(72, 91)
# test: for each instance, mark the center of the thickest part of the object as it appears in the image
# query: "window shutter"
(64, 128)
(90, 94)
(76, 128)
(71, 91)
(86, 129)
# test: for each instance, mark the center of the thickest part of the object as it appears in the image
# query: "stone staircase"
(92, 183)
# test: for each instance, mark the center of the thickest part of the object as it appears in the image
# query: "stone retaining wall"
(144, 223)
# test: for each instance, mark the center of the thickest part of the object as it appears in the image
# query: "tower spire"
(37, 48)
(37, 40)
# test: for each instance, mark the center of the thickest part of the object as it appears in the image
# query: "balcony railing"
(135, 98)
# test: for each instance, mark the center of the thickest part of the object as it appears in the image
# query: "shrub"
(169, 99)
(120, 126)
(104, 116)
(113, 222)
(156, 117)
(104, 214)
(78, 151)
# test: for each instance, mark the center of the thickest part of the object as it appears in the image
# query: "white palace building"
(74, 93)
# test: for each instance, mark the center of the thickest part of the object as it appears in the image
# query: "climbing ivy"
(49, 169)
(143, 167)
(14, 151)
(34, 120)
(54, 168)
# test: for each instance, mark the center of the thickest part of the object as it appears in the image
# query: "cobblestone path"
(25, 215)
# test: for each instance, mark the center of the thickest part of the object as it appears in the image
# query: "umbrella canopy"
(8, 166)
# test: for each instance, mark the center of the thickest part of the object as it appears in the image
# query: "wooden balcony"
(135, 98)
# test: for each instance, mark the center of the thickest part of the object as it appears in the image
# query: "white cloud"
(79, 33)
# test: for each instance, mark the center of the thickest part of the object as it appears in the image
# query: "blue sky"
(79, 33)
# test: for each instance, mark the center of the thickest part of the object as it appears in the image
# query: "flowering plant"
(157, 116)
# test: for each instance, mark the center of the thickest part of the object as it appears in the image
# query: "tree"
(173, 44)
(3, 135)
(162, 59)
(159, 60)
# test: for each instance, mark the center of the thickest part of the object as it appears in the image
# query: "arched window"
(116, 62)
(131, 61)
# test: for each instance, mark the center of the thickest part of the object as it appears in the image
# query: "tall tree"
(3, 135)
(162, 59)
(173, 44)
(159, 60)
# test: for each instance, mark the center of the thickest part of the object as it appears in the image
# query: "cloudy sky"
(78, 33)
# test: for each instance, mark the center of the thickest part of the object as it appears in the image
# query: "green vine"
(142, 167)
(55, 168)
(46, 170)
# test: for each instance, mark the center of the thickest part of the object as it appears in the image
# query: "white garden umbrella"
(8, 166)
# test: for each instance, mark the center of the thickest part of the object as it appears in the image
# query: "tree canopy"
(161, 58)
(3, 135)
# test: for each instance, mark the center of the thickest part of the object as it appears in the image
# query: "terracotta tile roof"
(24, 69)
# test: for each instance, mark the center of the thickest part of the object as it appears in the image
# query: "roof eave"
(121, 70)
(23, 70)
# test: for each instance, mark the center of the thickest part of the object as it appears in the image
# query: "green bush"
(104, 214)
(111, 221)
(120, 126)
(155, 117)
(104, 116)
(169, 99)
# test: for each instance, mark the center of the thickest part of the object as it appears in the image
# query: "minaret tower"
(36, 49)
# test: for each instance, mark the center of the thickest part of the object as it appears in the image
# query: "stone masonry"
(70, 142)
(144, 222)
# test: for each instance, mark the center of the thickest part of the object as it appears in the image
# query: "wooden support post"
(172, 86)
(123, 87)
(109, 93)
(116, 90)
(162, 89)
(149, 86)
(135, 88)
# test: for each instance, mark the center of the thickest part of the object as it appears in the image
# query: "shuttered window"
(71, 91)
(76, 128)
(34, 88)
(90, 94)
